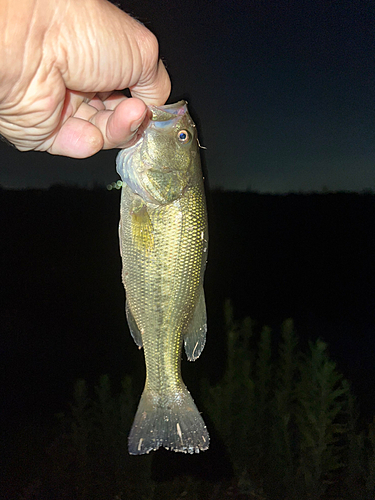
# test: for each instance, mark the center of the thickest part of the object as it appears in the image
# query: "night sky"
(282, 92)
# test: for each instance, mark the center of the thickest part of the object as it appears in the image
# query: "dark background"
(308, 257)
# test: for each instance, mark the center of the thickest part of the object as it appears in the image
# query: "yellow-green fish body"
(163, 241)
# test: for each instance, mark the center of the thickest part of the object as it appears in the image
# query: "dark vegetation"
(283, 418)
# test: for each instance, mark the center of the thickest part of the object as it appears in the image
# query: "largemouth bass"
(163, 242)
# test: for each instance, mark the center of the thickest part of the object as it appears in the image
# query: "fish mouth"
(167, 115)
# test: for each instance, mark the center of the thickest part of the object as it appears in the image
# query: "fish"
(163, 245)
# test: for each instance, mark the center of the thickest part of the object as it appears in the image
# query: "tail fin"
(172, 422)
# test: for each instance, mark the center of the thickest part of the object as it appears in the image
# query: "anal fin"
(195, 336)
(133, 327)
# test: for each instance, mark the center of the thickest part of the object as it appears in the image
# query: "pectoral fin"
(195, 336)
(133, 327)
(142, 230)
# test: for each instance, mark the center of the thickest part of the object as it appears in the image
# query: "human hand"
(62, 65)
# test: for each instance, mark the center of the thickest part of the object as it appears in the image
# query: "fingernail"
(135, 125)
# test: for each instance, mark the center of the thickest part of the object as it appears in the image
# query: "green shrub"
(287, 421)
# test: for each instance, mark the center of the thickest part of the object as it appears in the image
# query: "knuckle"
(149, 48)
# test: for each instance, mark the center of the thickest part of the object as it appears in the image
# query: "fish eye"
(183, 136)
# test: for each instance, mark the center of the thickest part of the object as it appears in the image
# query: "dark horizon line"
(214, 189)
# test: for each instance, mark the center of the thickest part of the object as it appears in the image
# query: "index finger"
(155, 88)
(151, 83)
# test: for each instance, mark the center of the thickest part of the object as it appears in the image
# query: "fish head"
(163, 162)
